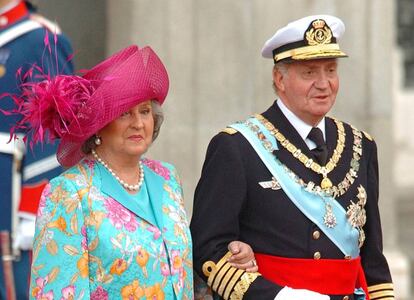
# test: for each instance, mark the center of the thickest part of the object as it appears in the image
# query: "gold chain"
(306, 161)
(334, 191)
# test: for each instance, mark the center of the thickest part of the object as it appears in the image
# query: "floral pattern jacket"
(95, 241)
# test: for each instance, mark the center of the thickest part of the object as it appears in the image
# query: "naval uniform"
(231, 204)
(23, 42)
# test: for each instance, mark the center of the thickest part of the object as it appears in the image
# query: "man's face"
(308, 88)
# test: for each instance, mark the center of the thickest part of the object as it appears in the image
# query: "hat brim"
(311, 52)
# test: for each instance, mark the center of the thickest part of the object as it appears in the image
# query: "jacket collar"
(13, 14)
(153, 187)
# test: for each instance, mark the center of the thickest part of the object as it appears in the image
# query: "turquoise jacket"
(96, 241)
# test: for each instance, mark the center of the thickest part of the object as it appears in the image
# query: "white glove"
(288, 293)
(25, 234)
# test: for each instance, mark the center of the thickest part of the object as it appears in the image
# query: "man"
(26, 39)
(299, 187)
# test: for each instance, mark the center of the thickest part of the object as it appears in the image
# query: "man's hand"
(242, 256)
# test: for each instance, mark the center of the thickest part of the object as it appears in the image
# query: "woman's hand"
(242, 256)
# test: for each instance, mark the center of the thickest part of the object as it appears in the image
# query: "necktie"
(320, 153)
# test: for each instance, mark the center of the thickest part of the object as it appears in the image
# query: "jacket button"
(348, 257)
(316, 234)
(317, 255)
(345, 298)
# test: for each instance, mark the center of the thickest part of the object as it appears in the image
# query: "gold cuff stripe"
(217, 267)
(219, 276)
(226, 280)
(232, 283)
(243, 285)
(224, 277)
(382, 286)
(378, 295)
(309, 51)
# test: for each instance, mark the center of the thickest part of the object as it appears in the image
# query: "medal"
(329, 219)
(356, 214)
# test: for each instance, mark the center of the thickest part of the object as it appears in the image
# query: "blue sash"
(343, 235)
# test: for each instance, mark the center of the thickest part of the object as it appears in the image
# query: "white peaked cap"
(311, 37)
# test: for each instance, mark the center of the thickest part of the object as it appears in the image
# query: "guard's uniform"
(231, 204)
(22, 44)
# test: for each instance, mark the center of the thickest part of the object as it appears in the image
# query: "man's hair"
(281, 67)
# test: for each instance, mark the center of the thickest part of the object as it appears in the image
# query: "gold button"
(348, 257)
(317, 255)
(316, 234)
(345, 298)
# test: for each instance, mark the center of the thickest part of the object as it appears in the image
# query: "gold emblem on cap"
(318, 33)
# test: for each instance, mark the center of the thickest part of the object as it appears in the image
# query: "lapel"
(155, 187)
(111, 187)
(331, 135)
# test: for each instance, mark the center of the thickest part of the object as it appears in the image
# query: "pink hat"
(74, 108)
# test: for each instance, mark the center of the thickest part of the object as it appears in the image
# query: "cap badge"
(318, 33)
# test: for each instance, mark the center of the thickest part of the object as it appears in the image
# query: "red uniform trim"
(30, 198)
(325, 276)
(15, 14)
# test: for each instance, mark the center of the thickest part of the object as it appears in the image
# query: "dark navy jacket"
(230, 205)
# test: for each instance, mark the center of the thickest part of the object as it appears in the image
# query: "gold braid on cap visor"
(309, 52)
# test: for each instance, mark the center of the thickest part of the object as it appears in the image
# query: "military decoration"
(329, 219)
(4, 56)
(356, 214)
(273, 184)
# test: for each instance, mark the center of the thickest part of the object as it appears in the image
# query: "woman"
(112, 226)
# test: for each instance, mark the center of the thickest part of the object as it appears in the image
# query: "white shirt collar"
(301, 127)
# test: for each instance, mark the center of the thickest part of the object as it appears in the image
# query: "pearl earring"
(98, 141)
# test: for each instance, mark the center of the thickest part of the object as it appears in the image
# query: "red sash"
(325, 276)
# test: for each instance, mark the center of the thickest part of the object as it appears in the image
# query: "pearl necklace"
(130, 187)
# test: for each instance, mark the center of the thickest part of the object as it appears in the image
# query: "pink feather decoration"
(50, 106)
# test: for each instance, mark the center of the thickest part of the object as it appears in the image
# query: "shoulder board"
(368, 136)
(49, 25)
(229, 130)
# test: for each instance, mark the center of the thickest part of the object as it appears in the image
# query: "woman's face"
(130, 134)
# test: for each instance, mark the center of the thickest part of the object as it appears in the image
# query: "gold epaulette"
(383, 291)
(226, 280)
(229, 130)
(368, 136)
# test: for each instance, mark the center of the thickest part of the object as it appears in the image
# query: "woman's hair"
(157, 114)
